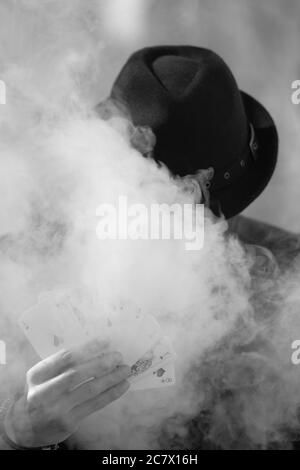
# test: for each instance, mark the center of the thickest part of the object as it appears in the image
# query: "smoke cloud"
(231, 324)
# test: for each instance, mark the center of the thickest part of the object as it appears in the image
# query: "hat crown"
(175, 73)
(190, 99)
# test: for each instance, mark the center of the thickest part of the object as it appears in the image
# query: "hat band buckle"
(224, 178)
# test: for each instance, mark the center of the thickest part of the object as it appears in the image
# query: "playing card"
(50, 294)
(159, 354)
(132, 335)
(161, 376)
(52, 325)
(45, 337)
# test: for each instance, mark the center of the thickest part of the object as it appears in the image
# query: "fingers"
(52, 390)
(49, 367)
(97, 367)
(57, 363)
(85, 409)
(96, 387)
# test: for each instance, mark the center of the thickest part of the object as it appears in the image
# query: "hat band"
(224, 178)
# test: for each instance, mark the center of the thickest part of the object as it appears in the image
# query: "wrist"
(17, 427)
(15, 439)
(8, 434)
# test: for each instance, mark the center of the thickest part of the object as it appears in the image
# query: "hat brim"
(234, 199)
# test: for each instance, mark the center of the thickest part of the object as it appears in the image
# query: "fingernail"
(67, 356)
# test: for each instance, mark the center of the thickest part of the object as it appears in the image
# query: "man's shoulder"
(284, 245)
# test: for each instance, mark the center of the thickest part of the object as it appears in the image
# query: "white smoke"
(232, 331)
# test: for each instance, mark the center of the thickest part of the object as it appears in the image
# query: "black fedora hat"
(201, 120)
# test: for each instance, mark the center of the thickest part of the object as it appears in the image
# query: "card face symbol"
(160, 372)
(57, 341)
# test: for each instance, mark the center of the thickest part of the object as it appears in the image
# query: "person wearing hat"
(190, 100)
(201, 120)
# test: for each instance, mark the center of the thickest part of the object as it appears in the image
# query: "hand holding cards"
(63, 389)
(60, 320)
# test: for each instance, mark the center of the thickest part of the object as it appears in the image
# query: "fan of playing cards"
(61, 320)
